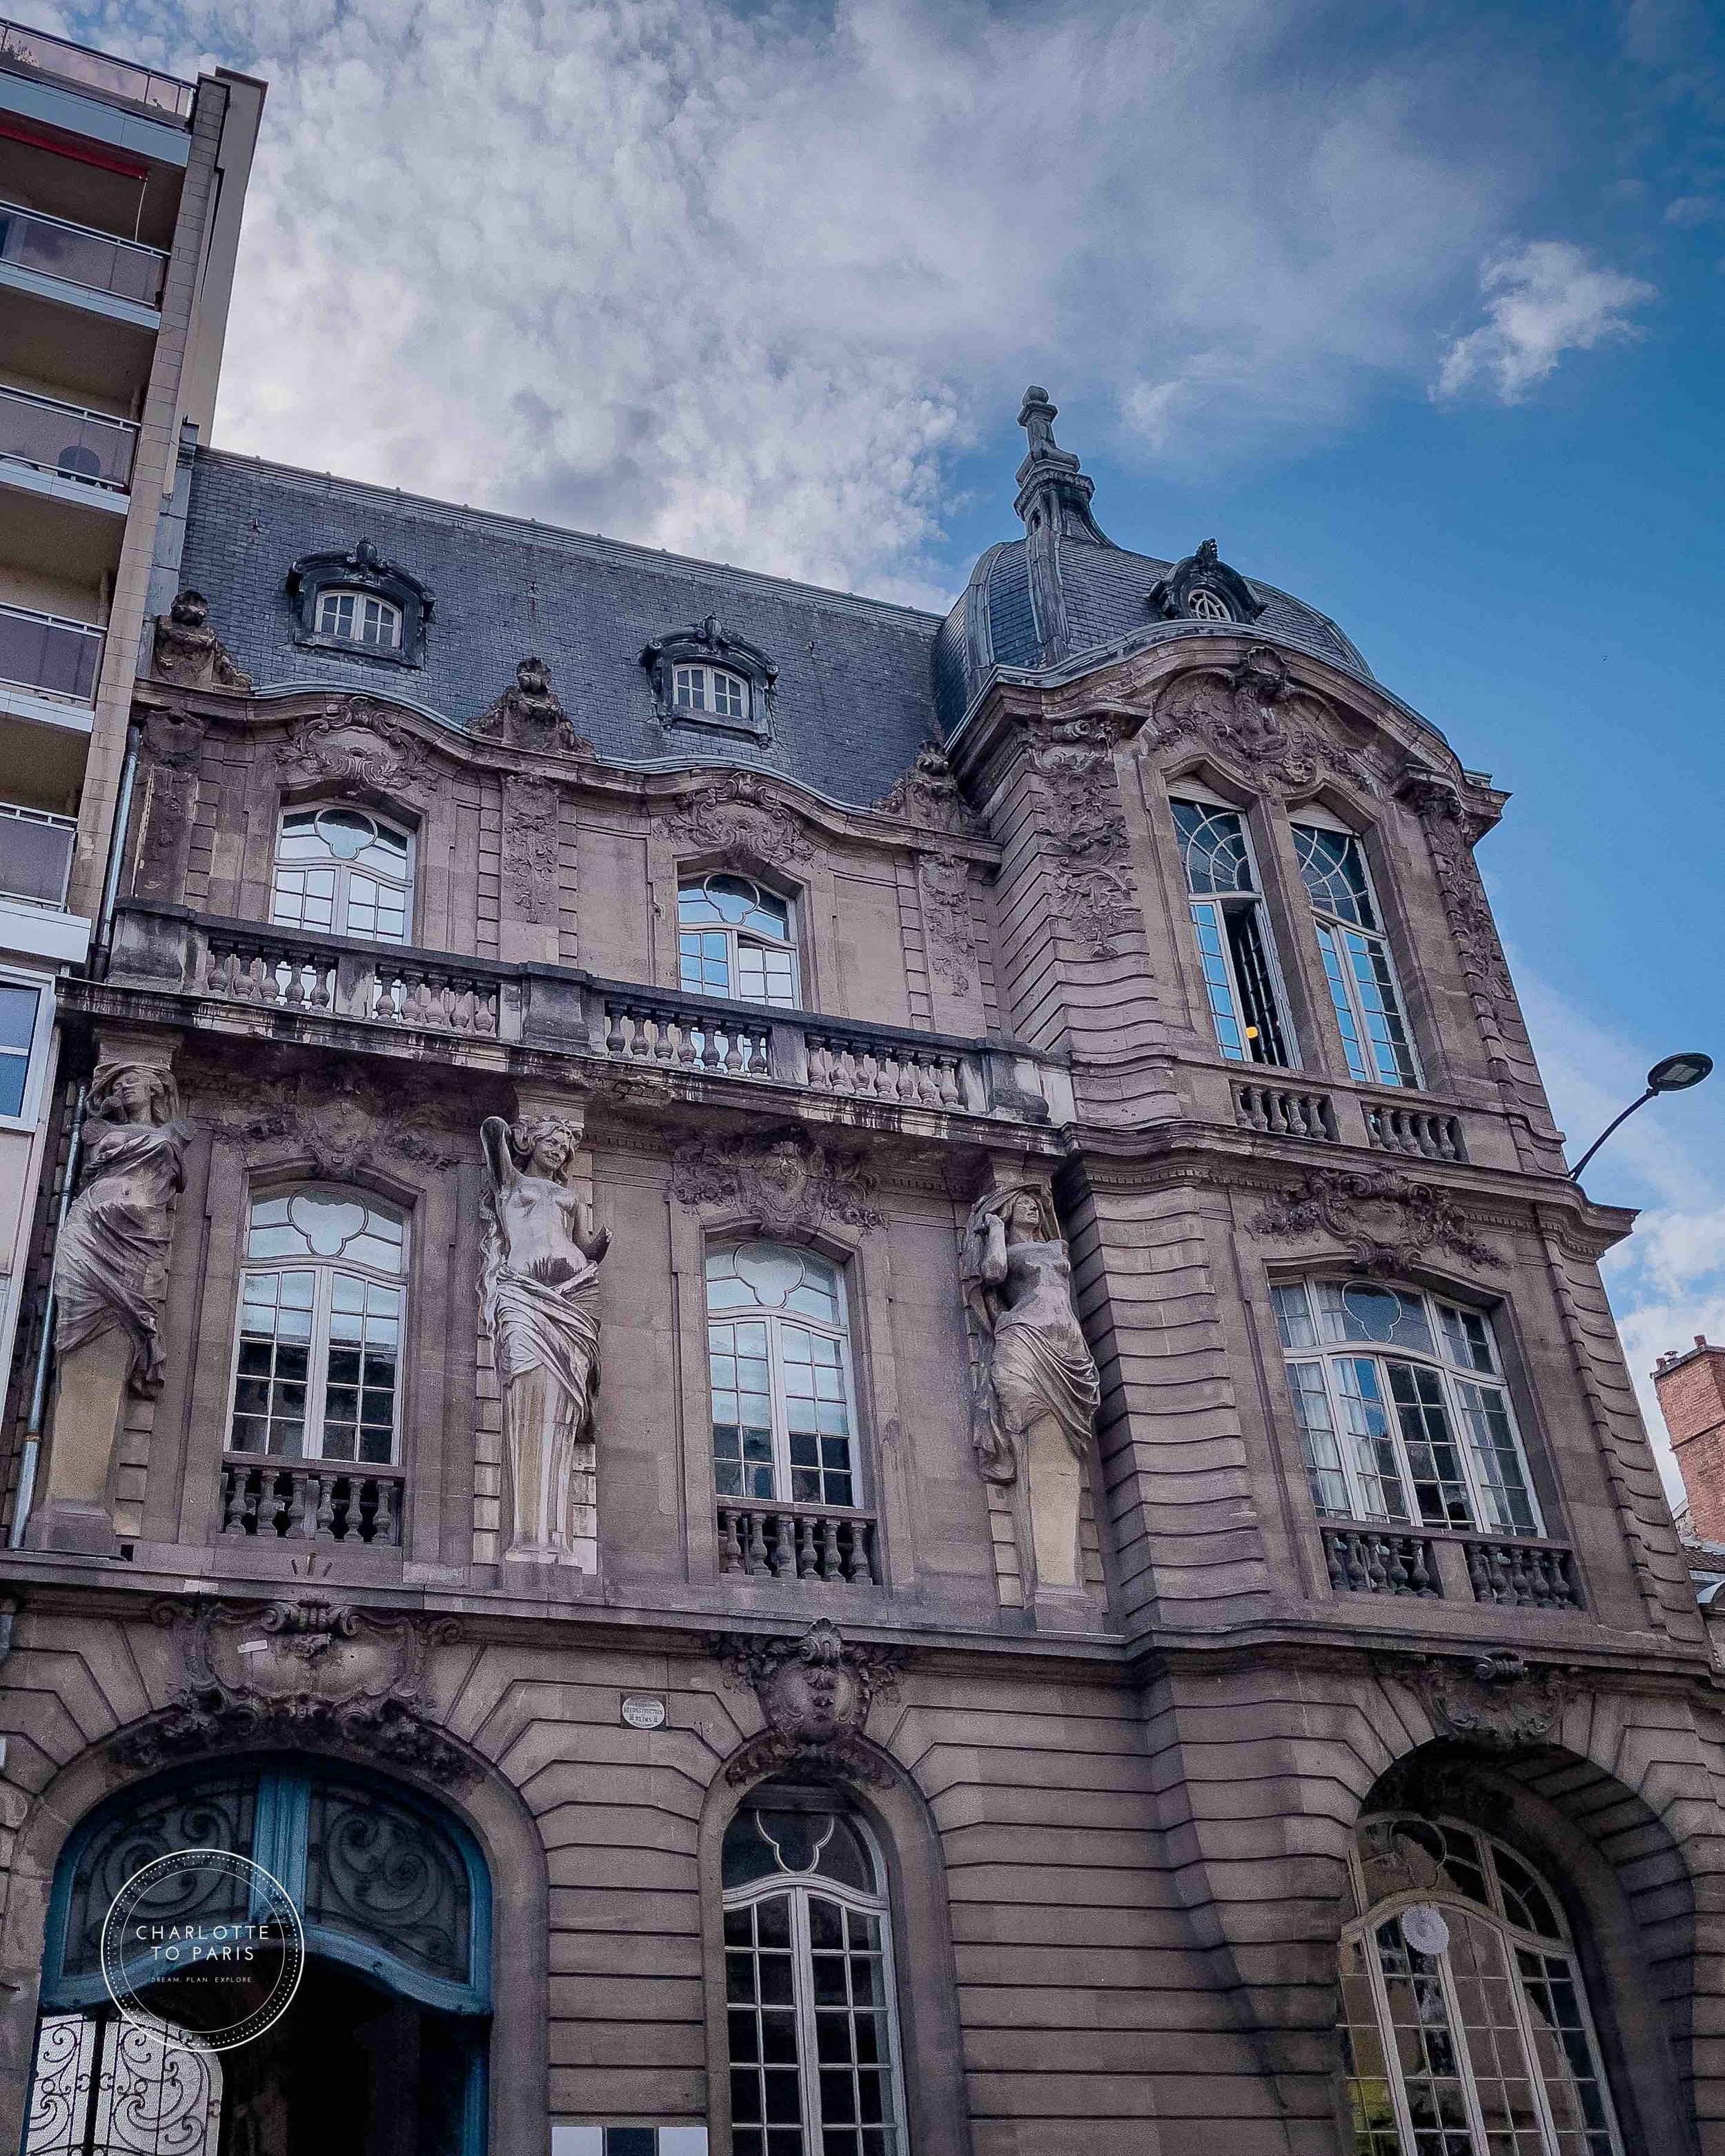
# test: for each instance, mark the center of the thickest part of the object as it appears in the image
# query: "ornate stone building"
(838, 1366)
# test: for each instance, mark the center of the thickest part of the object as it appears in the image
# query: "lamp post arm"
(1575, 1172)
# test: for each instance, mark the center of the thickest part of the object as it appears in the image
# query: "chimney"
(1691, 1388)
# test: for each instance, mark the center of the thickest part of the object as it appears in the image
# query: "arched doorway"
(384, 2050)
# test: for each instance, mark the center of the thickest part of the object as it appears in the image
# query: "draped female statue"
(1035, 1385)
(539, 1295)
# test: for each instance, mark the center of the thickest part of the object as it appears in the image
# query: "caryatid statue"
(539, 1295)
(1035, 1388)
(110, 1270)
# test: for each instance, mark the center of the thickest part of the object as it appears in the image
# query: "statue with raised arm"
(1034, 1384)
(539, 1297)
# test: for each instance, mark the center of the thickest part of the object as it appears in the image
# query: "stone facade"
(1114, 1797)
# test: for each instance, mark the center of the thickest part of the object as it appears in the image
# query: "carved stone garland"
(949, 928)
(172, 752)
(354, 744)
(339, 1122)
(1451, 833)
(732, 812)
(790, 1183)
(1084, 838)
(530, 849)
(1331, 1201)
(816, 1693)
(1253, 714)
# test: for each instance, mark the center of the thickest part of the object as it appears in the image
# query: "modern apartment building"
(120, 195)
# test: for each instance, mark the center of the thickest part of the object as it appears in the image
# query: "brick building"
(837, 1365)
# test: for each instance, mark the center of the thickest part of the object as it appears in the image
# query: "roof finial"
(1053, 501)
(1037, 416)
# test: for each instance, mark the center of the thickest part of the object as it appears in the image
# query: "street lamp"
(1676, 1074)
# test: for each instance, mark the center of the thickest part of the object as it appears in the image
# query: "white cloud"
(1542, 300)
(739, 280)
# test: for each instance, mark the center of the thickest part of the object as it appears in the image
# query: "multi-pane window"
(734, 939)
(344, 871)
(20, 1008)
(1464, 2023)
(359, 617)
(1206, 606)
(1356, 957)
(809, 1982)
(1235, 949)
(1403, 1410)
(316, 1367)
(779, 1354)
(710, 689)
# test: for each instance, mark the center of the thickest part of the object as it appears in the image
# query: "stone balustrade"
(1522, 1573)
(1372, 1561)
(311, 1501)
(1285, 1111)
(1424, 1133)
(784, 1542)
(1515, 1571)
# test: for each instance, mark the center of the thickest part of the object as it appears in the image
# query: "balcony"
(311, 1502)
(49, 656)
(35, 855)
(75, 254)
(67, 441)
(765, 1541)
(27, 52)
(1521, 1572)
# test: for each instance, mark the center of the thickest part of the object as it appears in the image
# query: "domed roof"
(1103, 599)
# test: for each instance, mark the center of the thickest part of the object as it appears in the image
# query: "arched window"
(1403, 1412)
(1235, 949)
(712, 689)
(808, 1981)
(1356, 956)
(1465, 2029)
(359, 617)
(779, 1349)
(392, 2010)
(1205, 605)
(317, 1361)
(734, 938)
(345, 871)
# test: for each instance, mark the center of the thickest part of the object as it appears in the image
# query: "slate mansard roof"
(861, 684)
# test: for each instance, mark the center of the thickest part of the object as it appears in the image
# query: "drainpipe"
(116, 855)
(45, 1346)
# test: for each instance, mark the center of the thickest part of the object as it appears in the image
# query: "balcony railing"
(1522, 1571)
(35, 855)
(53, 657)
(1285, 1111)
(286, 972)
(1418, 1130)
(785, 1541)
(76, 254)
(25, 51)
(311, 1501)
(66, 439)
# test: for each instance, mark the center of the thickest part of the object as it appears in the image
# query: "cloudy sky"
(1415, 308)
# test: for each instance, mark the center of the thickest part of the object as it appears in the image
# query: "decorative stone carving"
(188, 652)
(927, 796)
(363, 568)
(1451, 831)
(816, 1693)
(539, 1300)
(790, 1182)
(949, 929)
(530, 714)
(340, 1122)
(530, 862)
(292, 1672)
(1495, 1702)
(733, 813)
(1035, 1385)
(706, 643)
(1281, 734)
(354, 745)
(1091, 886)
(1172, 597)
(1332, 1202)
(172, 751)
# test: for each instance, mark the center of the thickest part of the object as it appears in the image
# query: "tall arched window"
(735, 938)
(1466, 2030)
(318, 1355)
(1403, 1412)
(808, 1981)
(1356, 956)
(345, 871)
(1235, 949)
(778, 1347)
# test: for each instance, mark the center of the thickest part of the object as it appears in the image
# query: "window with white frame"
(1465, 2029)
(1403, 1408)
(345, 871)
(359, 617)
(317, 1372)
(810, 2007)
(735, 938)
(1235, 949)
(23, 1007)
(1205, 605)
(1356, 956)
(709, 690)
(778, 1355)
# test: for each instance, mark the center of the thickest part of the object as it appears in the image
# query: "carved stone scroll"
(1282, 736)
(531, 852)
(1084, 839)
(734, 814)
(949, 929)
(1495, 1702)
(789, 1182)
(815, 1693)
(1337, 1205)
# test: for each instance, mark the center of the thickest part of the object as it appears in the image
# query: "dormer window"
(1205, 605)
(710, 689)
(358, 618)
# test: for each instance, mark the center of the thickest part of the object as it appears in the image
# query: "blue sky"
(1415, 309)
